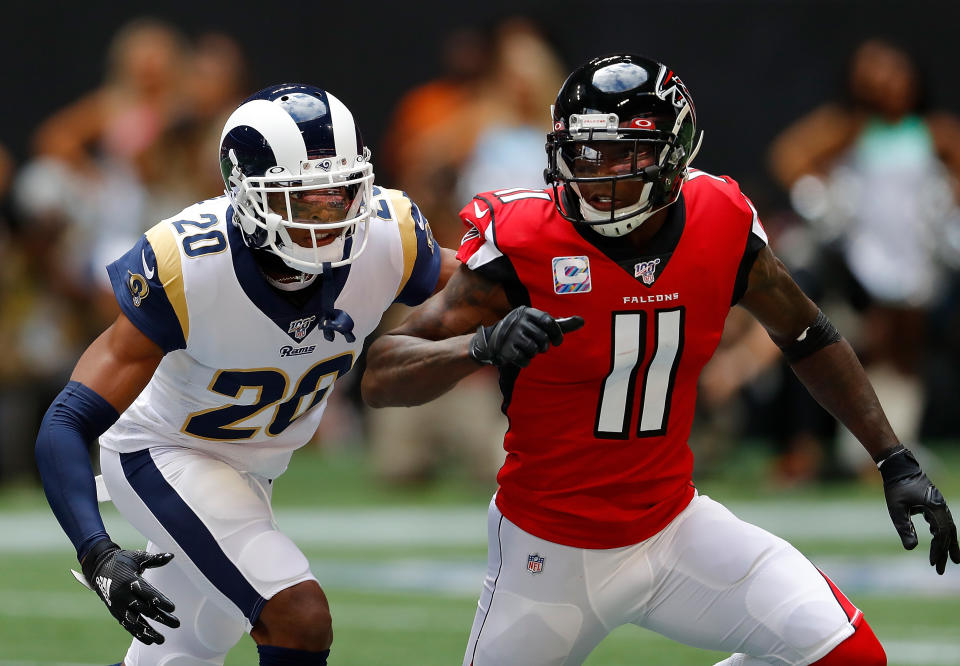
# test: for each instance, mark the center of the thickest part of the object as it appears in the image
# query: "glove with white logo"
(909, 492)
(518, 337)
(116, 576)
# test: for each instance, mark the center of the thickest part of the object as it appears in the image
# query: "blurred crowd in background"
(871, 232)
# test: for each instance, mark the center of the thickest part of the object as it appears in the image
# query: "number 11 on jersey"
(628, 351)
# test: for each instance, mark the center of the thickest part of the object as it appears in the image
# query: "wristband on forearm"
(821, 333)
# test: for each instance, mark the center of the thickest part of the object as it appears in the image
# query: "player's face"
(314, 207)
(592, 159)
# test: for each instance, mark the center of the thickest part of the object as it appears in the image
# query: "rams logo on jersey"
(138, 286)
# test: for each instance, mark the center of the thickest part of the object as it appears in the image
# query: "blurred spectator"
(509, 150)
(876, 177)
(434, 126)
(480, 127)
(38, 335)
(93, 172)
(215, 82)
(106, 167)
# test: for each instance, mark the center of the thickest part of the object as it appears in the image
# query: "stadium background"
(403, 567)
(752, 65)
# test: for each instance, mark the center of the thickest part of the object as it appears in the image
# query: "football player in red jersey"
(596, 521)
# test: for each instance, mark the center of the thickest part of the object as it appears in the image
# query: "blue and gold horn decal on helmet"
(139, 289)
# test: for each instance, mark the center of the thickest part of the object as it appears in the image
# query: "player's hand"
(909, 492)
(116, 576)
(518, 337)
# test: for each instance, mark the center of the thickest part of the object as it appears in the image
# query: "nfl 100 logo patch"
(300, 327)
(646, 271)
(535, 563)
(571, 275)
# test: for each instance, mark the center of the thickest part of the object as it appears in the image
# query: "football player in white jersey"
(237, 316)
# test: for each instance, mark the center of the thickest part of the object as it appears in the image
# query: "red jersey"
(597, 453)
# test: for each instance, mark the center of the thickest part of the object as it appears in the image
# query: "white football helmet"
(298, 176)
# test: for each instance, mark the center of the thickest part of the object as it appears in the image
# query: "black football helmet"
(625, 122)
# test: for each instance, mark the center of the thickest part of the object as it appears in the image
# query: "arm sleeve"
(77, 417)
(148, 286)
(421, 254)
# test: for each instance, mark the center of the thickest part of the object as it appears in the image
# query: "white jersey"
(247, 374)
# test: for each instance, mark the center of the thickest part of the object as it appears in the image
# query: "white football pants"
(708, 580)
(229, 555)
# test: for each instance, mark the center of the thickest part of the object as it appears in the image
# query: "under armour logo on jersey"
(104, 583)
(571, 275)
(535, 563)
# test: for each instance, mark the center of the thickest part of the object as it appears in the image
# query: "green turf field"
(402, 569)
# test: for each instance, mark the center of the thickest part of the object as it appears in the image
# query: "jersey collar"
(296, 321)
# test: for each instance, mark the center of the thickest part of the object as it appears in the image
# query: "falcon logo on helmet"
(624, 133)
(299, 177)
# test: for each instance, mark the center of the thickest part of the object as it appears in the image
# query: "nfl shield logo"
(534, 563)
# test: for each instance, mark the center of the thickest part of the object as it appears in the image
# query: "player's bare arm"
(448, 266)
(430, 352)
(829, 368)
(832, 374)
(119, 363)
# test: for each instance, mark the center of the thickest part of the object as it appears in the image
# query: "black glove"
(115, 575)
(518, 337)
(909, 492)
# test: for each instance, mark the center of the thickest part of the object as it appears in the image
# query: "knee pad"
(270, 561)
(860, 649)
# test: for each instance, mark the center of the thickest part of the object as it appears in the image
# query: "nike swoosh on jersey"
(147, 271)
(476, 210)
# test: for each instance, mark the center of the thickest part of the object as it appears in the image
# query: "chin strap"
(334, 321)
(337, 321)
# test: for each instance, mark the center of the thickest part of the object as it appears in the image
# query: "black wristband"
(93, 556)
(821, 333)
(900, 464)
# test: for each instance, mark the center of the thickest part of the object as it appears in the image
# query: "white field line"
(383, 528)
(841, 522)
